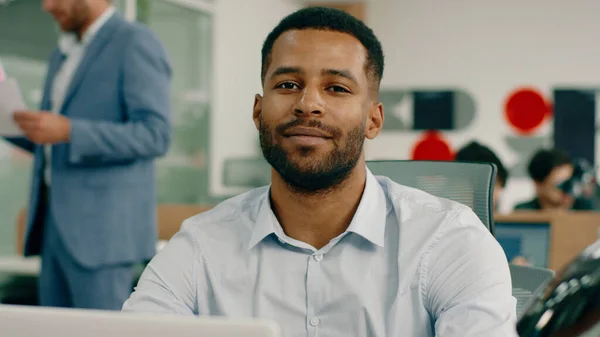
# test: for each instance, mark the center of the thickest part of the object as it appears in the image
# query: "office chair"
(470, 184)
(526, 281)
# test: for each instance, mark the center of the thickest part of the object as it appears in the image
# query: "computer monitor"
(527, 239)
(22, 321)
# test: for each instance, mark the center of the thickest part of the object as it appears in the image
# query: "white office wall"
(487, 48)
(239, 31)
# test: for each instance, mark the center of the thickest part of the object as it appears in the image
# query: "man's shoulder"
(139, 30)
(129, 32)
(424, 216)
(140, 42)
(231, 218)
(404, 198)
(428, 224)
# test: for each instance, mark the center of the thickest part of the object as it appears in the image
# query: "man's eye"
(338, 89)
(287, 86)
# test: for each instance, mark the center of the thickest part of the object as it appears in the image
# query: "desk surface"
(570, 231)
(19, 265)
(16, 265)
(527, 216)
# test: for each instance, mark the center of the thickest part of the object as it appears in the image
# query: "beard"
(312, 173)
(79, 15)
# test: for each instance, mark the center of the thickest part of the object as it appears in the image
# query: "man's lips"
(306, 132)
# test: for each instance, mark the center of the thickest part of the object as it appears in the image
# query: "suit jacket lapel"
(92, 51)
(54, 65)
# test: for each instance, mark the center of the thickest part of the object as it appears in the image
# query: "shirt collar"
(68, 41)
(265, 222)
(368, 221)
(371, 214)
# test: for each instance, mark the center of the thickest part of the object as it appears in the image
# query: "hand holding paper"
(10, 101)
(43, 127)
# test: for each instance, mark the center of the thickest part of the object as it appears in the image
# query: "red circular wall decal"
(432, 146)
(526, 109)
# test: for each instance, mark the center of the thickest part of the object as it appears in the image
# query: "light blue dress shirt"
(409, 264)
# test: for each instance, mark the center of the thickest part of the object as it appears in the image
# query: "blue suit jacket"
(102, 191)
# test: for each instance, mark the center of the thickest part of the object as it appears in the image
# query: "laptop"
(22, 321)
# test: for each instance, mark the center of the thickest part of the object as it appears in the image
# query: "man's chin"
(66, 28)
(308, 165)
(69, 26)
(308, 154)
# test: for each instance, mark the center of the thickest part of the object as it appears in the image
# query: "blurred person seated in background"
(550, 169)
(328, 249)
(520, 261)
(476, 152)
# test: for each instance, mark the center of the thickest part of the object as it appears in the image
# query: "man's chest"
(63, 77)
(342, 293)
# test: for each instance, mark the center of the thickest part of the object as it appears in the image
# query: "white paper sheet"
(2, 72)
(10, 101)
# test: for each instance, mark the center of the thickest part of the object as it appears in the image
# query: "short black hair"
(476, 152)
(546, 160)
(328, 19)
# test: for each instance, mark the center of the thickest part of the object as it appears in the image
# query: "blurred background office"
(28, 35)
(517, 78)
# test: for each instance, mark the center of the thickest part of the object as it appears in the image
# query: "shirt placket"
(314, 280)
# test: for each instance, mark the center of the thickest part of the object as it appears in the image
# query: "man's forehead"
(319, 48)
(561, 173)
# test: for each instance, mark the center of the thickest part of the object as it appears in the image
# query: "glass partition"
(186, 32)
(27, 38)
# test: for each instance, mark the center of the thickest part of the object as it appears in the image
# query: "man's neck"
(546, 205)
(317, 219)
(95, 13)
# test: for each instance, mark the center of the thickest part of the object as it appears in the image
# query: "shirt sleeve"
(467, 282)
(168, 284)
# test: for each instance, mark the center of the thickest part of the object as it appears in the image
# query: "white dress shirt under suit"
(409, 264)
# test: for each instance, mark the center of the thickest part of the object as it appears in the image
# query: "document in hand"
(2, 72)
(10, 101)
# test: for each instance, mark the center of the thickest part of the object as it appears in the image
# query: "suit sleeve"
(146, 133)
(468, 288)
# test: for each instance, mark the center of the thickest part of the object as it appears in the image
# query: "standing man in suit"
(104, 119)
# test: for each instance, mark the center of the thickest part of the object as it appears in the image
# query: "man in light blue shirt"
(328, 249)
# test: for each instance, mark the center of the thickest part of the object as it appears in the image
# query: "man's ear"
(375, 119)
(257, 110)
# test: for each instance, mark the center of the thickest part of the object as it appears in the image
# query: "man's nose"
(310, 102)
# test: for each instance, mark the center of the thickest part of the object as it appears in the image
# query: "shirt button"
(314, 321)
(318, 257)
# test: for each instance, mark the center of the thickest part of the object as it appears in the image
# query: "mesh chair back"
(526, 281)
(471, 184)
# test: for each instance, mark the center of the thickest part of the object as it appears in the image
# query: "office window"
(27, 37)
(185, 28)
